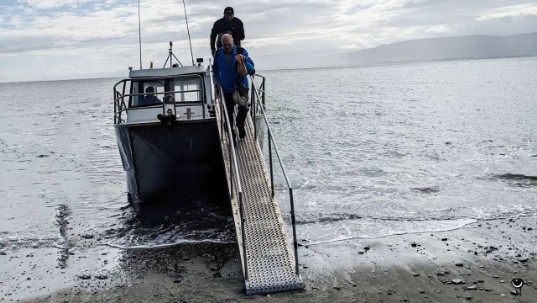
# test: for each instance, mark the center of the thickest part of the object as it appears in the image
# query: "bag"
(241, 69)
(240, 95)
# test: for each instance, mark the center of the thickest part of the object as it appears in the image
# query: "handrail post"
(264, 90)
(270, 161)
(232, 192)
(115, 107)
(295, 243)
(241, 207)
(254, 105)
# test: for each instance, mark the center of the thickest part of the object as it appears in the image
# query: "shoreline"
(472, 264)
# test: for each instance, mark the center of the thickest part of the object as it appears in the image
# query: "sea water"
(370, 152)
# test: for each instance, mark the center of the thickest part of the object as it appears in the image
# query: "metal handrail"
(272, 142)
(226, 126)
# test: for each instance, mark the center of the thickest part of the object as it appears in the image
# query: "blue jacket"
(225, 72)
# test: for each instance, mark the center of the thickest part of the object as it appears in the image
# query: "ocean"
(370, 151)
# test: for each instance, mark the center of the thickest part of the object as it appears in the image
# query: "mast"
(188, 30)
(140, 34)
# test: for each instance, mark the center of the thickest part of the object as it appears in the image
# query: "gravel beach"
(475, 263)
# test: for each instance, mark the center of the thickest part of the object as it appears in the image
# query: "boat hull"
(184, 160)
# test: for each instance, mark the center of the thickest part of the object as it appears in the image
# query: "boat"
(174, 136)
(166, 131)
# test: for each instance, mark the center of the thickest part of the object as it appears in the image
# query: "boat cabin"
(184, 92)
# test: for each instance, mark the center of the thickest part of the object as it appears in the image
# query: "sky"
(74, 39)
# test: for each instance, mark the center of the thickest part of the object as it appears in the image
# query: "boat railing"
(258, 104)
(122, 96)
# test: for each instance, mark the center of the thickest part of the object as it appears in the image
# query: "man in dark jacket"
(226, 25)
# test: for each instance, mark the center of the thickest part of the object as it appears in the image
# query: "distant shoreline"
(395, 63)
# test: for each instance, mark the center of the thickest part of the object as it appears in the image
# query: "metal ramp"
(268, 262)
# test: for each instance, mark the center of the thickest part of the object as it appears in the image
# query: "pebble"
(457, 281)
(84, 277)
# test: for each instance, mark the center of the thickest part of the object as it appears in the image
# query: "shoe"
(242, 132)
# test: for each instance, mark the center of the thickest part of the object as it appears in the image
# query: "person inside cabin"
(149, 98)
(229, 24)
(226, 60)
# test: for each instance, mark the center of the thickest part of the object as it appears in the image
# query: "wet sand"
(475, 263)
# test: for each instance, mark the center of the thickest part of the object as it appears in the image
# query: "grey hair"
(224, 35)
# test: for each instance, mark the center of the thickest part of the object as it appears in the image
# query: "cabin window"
(187, 89)
(146, 93)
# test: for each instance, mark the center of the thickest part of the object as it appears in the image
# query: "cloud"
(514, 11)
(53, 4)
(93, 35)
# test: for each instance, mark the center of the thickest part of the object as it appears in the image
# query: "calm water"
(370, 151)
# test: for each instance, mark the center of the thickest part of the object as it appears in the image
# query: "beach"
(475, 263)
(409, 183)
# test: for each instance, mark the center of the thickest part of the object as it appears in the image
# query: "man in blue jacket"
(225, 75)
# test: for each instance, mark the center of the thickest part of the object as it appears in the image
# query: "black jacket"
(222, 26)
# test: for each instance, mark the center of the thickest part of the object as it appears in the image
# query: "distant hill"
(466, 47)
(449, 48)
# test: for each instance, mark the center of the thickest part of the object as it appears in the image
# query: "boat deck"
(270, 265)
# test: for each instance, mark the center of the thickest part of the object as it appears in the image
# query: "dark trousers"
(230, 106)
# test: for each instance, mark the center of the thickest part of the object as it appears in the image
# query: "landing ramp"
(268, 260)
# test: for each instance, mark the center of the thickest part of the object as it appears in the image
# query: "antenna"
(171, 56)
(139, 34)
(189, 40)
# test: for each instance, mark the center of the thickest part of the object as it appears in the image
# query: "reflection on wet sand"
(63, 212)
(174, 261)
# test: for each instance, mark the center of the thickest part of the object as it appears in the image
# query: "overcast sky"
(65, 39)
